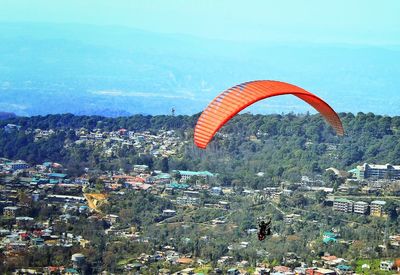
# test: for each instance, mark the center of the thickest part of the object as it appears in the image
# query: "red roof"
(184, 260)
(24, 235)
(329, 258)
(126, 177)
(139, 179)
(55, 268)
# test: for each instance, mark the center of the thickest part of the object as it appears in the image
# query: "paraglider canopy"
(232, 101)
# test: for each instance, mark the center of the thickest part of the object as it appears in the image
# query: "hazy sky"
(335, 21)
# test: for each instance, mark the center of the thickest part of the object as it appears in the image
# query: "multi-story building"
(18, 165)
(186, 175)
(189, 198)
(377, 171)
(343, 205)
(185, 200)
(377, 208)
(360, 207)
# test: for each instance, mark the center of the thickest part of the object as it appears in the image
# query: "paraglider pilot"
(265, 229)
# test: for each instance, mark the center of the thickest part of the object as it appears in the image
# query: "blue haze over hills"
(83, 69)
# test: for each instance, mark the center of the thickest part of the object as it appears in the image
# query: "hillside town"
(77, 198)
(161, 144)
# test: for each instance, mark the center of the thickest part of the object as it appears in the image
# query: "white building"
(186, 175)
(343, 205)
(386, 265)
(360, 207)
(189, 198)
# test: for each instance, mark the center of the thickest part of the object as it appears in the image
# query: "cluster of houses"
(47, 182)
(10, 128)
(183, 188)
(164, 143)
(161, 144)
(8, 166)
(157, 182)
(325, 265)
(40, 134)
(20, 186)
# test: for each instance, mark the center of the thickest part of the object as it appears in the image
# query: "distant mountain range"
(115, 71)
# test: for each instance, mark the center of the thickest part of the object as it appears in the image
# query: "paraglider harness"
(265, 229)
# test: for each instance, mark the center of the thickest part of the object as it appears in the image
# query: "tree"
(99, 185)
(164, 165)
(299, 200)
(320, 196)
(24, 199)
(177, 176)
(391, 208)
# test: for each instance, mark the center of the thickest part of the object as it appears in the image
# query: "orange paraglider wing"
(232, 101)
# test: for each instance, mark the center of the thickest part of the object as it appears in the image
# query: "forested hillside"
(283, 147)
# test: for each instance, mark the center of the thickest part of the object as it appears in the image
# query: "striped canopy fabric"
(232, 101)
